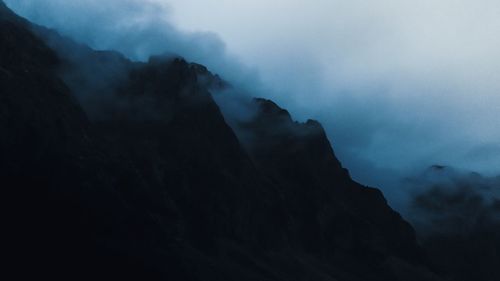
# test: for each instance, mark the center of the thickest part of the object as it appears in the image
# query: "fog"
(398, 85)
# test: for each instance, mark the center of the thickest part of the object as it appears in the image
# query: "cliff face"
(299, 159)
(129, 170)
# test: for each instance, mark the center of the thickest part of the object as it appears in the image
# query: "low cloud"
(136, 28)
(457, 217)
(449, 201)
(398, 85)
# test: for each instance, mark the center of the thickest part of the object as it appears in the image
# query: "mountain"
(457, 216)
(114, 169)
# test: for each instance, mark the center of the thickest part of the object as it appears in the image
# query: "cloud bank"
(399, 84)
(136, 28)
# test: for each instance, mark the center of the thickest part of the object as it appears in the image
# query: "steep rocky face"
(138, 175)
(332, 214)
(177, 135)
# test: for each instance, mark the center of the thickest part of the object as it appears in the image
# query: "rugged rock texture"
(123, 170)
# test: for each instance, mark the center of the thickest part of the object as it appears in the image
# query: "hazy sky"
(398, 84)
(422, 75)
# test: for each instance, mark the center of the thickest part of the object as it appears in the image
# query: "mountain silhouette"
(114, 169)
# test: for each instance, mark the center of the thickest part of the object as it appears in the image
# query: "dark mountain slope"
(66, 218)
(299, 158)
(138, 176)
(332, 216)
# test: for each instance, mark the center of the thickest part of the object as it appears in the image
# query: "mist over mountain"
(137, 175)
(457, 217)
(137, 29)
(399, 86)
(123, 157)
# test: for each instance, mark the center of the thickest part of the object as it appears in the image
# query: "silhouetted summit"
(116, 169)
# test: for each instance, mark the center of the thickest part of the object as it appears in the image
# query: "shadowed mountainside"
(125, 170)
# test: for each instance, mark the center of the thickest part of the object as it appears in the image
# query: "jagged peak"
(269, 108)
(315, 125)
(199, 68)
(269, 112)
(207, 78)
